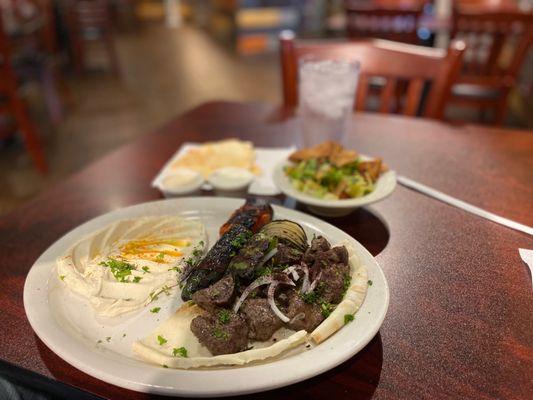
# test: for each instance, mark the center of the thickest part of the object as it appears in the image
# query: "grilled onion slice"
(288, 232)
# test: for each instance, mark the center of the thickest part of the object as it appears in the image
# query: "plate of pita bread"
(191, 167)
(165, 296)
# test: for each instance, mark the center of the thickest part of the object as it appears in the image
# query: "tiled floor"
(164, 72)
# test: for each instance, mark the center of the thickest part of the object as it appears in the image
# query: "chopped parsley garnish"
(369, 283)
(123, 335)
(136, 279)
(98, 342)
(165, 366)
(196, 255)
(265, 271)
(181, 351)
(155, 310)
(346, 283)
(161, 340)
(310, 297)
(62, 277)
(272, 244)
(327, 308)
(224, 316)
(315, 298)
(160, 257)
(197, 252)
(219, 333)
(108, 339)
(120, 269)
(177, 269)
(240, 240)
(348, 318)
(146, 269)
(155, 295)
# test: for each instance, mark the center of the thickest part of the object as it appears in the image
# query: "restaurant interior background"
(92, 75)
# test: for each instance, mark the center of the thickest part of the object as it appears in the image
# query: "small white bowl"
(230, 181)
(334, 208)
(182, 182)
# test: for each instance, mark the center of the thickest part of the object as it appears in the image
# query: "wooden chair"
(394, 62)
(34, 52)
(12, 104)
(497, 46)
(92, 16)
(384, 21)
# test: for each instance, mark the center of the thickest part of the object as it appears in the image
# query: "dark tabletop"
(459, 324)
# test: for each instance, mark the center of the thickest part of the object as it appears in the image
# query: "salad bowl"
(384, 186)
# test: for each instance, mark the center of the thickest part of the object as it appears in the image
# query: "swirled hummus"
(126, 265)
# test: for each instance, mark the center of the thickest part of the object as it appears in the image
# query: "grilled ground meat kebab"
(235, 233)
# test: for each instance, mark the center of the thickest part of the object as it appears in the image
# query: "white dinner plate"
(66, 323)
(334, 208)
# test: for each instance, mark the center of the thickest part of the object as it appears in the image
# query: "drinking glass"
(326, 92)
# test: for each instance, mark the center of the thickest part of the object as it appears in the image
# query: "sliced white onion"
(272, 302)
(267, 257)
(289, 270)
(315, 282)
(298, 317)
(305, 283)
(262, 280)
(292, 270)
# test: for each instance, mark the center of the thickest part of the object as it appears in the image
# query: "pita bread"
(211, 156)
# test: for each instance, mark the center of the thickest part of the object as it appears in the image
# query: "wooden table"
(460, 321)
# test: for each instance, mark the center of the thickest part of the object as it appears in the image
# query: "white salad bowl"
(334, 208)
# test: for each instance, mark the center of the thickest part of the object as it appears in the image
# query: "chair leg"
(29, 132)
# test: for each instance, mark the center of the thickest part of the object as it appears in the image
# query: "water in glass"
(326, 93)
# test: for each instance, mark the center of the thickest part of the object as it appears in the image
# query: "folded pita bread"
(211, 156)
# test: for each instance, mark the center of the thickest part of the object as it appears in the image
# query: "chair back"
(497, 44)
(391, 61)
(397, 23)
(88, 14)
